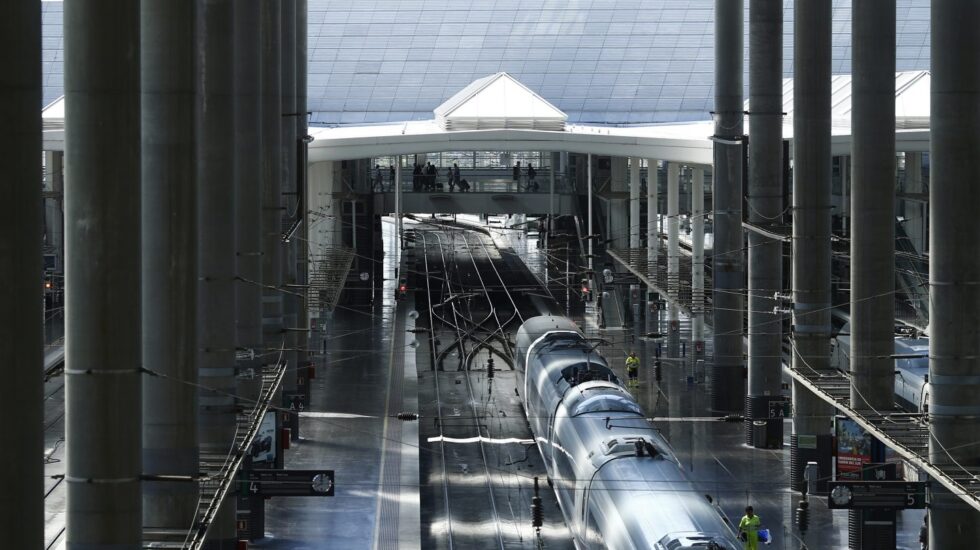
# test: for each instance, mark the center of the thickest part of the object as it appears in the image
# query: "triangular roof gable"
(912, 89)
(499, 101)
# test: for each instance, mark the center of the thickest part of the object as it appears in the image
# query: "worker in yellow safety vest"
(748, 529)
(632, 368)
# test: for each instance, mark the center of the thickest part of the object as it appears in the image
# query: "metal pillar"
(169, 280)
(248, 181)
(216, 236)
(954, 263)
(811, 226)
(21, 297)
(727, 379)
(103, 397)
(697, 263)
(673, 259)
(271, 125)
(653, 224)
(873, 202)
(765, 199)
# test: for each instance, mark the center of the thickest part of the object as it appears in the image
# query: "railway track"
(483, 493)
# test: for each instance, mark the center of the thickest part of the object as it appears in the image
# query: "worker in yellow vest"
(748, 529)
(632, 369)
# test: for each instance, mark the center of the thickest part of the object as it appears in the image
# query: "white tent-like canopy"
(498, 102)
(912, 90)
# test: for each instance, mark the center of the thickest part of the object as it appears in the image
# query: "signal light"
(48, 285)
(402, 288)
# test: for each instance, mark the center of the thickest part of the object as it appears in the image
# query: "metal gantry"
(331, 266)
(638, 262)
(219, 470)
(906, 433)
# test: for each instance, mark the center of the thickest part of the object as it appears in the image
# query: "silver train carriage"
(618, 482)
(911, 367)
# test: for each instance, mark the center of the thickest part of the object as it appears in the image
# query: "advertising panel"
(854, 448)
(264, 444)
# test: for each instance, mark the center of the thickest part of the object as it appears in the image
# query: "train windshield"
(694, 541)
(587, 372)
(606, 403)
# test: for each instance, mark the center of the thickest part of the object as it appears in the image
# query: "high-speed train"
(911, 367)
(618, 482)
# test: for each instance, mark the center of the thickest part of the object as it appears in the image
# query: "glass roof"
(608, 62)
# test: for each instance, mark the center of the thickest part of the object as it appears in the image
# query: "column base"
(769, 434)
(815, 448)
(726, 389)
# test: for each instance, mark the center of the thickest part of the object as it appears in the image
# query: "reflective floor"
(346, 430)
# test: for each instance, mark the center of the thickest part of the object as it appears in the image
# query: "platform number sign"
(889, 495)
(777, 410)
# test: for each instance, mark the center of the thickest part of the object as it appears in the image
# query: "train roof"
(658, 490)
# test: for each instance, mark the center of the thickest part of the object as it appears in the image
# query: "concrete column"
(21, 295)
(673, 258)
(555, 164)
(290, 196)
(954, 262)
(398, 197)
(588, 190)
(765, 199)
(873, 202)
(915, 211)
(634, 227)
(271, 114)
(54, 216)
(845, 190)
(324, 210)
(653, 224)
(169, 280)
(248, 182)
(697, 262)
(302, 242)
(217, 170)
(634, 203)
(103, 397)
(811, 224)
(726, 376)
(617, 220)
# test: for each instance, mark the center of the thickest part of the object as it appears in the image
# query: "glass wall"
(474, 160)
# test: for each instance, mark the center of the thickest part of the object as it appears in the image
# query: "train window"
(587, 372)
(693, 541)
(606, 403)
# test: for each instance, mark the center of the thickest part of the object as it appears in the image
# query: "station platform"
(370, 366)
(365, 376)
(715, 453)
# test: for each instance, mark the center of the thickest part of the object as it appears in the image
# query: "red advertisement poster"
(853, 449)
